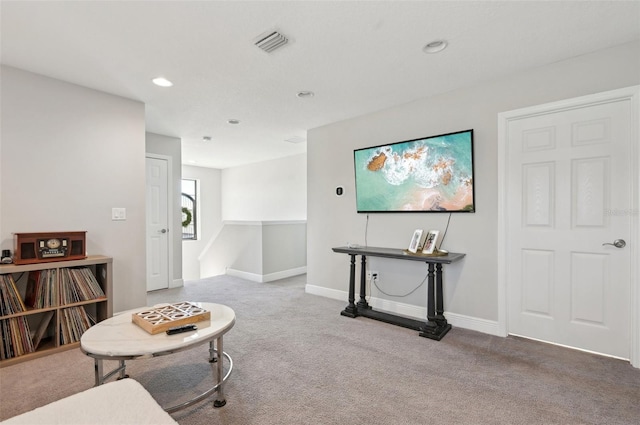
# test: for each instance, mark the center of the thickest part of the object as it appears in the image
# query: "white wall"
(269, 190)
(247, 198)
(471, 285)
(70, 154)
(209, 222)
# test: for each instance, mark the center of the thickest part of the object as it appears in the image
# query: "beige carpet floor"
(297, 361)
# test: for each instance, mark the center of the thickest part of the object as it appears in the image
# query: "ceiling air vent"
(271, 41)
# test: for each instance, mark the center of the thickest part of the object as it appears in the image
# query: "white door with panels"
(568, 223)
(157, 224)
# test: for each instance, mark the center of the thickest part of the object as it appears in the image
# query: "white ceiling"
(356, 56)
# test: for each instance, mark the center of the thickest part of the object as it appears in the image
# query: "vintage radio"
(45, 247)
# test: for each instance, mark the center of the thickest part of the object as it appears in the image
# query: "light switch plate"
(118, 214)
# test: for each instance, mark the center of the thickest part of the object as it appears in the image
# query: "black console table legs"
(436, 325)
(351, 310)
(362, 304)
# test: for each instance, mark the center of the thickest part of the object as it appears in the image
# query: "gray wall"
(263, 251)
(69, 155)
(284, 246)
(470, 286)
(244, 240)
(258, 251)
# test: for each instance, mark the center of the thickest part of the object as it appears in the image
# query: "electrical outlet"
(372, 275)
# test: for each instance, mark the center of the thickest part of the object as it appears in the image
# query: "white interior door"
(568, 193)
(157, 224)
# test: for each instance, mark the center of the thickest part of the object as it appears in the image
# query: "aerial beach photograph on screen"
(431, 174)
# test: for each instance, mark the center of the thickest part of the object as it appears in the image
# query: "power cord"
(400, 296)
(445, 231)
(366, 231)
(374, 277)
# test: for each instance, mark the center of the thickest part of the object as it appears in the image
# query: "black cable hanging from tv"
(445, 232)
(366, 230)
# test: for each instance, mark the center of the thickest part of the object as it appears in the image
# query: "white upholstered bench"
(121, 402)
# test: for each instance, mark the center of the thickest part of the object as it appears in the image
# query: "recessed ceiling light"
(435, 46)
(305, 93)
(206, 138)
(162, 82)
(233, 121)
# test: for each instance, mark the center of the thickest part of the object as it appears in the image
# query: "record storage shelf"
(101, 308)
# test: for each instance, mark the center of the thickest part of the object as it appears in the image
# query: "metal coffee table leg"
(99, 371)
(220, 400)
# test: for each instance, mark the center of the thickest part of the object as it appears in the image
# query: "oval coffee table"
(118, 338)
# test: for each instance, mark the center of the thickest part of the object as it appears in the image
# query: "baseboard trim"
(326, 292)
(490, 327)
(244, 275)
(417, 312)
(262, 278)
(176, 283)
(284, 274)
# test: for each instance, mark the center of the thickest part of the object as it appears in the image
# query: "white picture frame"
(415, 241)
(430, 242)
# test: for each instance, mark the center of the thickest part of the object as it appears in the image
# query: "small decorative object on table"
(6, 257)
(160, 319)
(429, 249)
(430, 242)
(415, 241)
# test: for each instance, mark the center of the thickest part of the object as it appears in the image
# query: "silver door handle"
(163, 230)
(618, 243)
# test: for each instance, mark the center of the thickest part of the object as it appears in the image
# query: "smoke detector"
(295, 140)
(271, 40)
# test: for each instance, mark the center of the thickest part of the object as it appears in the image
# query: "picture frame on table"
(415, 241)
(430, 242)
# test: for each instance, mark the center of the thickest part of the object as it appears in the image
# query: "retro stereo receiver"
(29, 248)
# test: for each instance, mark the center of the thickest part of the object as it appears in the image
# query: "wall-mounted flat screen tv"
(432, 174)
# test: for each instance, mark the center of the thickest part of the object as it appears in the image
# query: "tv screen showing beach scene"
(432, 174)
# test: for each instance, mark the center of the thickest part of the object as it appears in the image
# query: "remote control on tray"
(180, 329)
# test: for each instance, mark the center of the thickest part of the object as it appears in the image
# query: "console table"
(436, 325)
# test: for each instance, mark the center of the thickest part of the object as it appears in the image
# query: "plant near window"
(186, 214)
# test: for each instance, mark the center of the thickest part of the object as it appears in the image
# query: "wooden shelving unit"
(101, 267)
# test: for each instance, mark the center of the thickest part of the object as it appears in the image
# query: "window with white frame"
(189, 210)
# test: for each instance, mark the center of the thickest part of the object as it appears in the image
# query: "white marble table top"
(118, 336)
